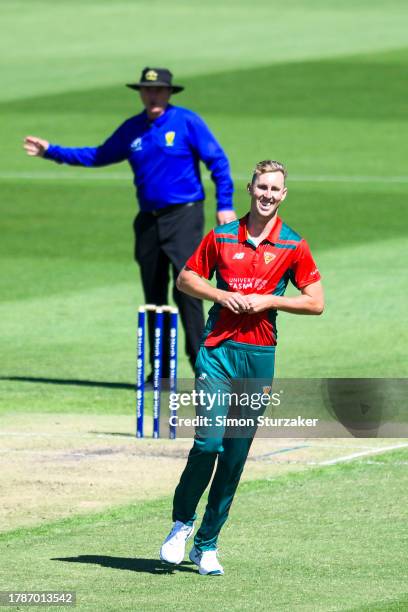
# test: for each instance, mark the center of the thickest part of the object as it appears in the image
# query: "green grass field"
(317, 85)
(290, 545)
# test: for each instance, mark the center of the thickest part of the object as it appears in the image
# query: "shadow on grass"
(113, 433)
(345, 87)
(70, 382)
(149, 566)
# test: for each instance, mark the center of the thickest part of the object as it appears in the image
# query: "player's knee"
(209, 445)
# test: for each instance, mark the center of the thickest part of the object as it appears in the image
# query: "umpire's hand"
(225, 216)
(35, 147)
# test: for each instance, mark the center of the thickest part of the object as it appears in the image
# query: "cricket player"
(253, 259)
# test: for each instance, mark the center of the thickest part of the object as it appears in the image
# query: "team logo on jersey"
(151, 75)
(239, 256)
(170, 136)
(136, 145)
(266, 390)
(268, 257)
(202, 376)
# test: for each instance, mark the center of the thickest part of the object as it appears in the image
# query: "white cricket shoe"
(174, 546)
(208, 564)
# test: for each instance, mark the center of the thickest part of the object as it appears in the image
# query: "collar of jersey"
(160, 120)
(272, 237)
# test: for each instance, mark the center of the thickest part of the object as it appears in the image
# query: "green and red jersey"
(239, 265)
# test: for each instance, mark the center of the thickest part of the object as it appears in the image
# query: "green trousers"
(245, 371)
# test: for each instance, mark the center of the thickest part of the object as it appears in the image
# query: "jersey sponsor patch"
(136, 145)
(239, 256)
(242, 283)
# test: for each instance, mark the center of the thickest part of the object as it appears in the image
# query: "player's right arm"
(199, 269)
(113, 150)
(195, 285)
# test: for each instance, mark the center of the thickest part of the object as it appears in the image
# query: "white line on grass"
(66, 176)
(68, 434)
(117, 176)
(345, 179)
(373, 451)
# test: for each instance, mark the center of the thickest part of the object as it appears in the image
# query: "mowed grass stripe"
(330, 118)
(89, 334)
(345, 87)
(327, 146)
(291, 543)
(399, 604)
(301, 32)
(85, 177)
(95, 224)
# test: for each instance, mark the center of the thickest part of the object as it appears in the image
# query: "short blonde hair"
(268, 165)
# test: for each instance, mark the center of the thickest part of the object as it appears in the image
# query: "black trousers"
(164, 243)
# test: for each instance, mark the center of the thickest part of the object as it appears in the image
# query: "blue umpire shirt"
(164, 155)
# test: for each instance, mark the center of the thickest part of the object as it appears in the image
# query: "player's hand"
(236, 302)
(258, 302)
(225, 216)
(35, 147)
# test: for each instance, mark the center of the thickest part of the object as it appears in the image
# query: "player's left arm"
(309, 302)
(305, 276)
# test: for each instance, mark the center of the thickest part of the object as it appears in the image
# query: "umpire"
(163, 145)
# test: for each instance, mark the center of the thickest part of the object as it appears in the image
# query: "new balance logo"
(239, 256)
